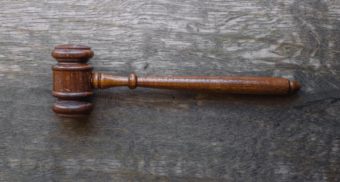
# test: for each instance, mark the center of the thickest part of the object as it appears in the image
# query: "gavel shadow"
(107, 101)
(145, 96)
(80, 125)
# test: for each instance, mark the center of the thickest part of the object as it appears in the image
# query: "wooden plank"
(152, 135)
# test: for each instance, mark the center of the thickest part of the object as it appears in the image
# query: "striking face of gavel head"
(72, 80)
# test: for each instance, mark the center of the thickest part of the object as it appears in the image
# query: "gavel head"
(72, 80)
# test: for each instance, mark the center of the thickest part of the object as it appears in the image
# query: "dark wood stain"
(73, 81)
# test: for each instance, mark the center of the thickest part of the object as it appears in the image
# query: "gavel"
(74, 81)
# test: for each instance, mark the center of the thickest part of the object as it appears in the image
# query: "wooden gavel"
(73, 82)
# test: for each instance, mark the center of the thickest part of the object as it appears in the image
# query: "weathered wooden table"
(159, 135)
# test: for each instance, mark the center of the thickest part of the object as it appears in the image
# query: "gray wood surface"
(159, 135)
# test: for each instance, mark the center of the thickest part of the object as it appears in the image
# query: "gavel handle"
(222, 84)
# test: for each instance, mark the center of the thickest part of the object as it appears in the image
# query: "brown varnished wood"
(73, 81)
(224, 84)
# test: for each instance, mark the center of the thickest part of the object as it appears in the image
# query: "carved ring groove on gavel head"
(73, 82)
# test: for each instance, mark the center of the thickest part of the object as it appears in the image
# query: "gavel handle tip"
(294, 86)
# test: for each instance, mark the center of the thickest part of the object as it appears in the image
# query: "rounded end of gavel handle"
(294, 86)
(72, 109)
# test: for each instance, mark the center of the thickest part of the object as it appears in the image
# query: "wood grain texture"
(72, 80)
(206, 84)
(148, 135)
